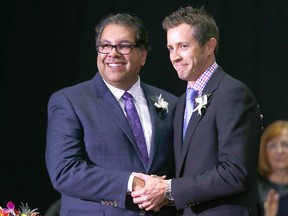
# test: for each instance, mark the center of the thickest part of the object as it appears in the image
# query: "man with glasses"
(101, 131)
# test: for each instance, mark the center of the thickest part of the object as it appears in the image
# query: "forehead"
(283, 136)
(117, 33)
(180, 33)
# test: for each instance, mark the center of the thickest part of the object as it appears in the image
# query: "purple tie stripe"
(136, 127)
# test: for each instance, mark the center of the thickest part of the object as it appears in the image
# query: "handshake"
(149, 191)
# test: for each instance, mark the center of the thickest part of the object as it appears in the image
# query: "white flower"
(161, 103)
(202, 102)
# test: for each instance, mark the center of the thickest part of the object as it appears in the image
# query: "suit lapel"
(109, 103)
(156, 129)
(178, 130)
(194, 120)
(210, 87)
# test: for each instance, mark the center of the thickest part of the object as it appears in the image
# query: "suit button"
(115, 204)
(142, 212)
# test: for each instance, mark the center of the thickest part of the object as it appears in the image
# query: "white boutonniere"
(160, 104)
(202, 102)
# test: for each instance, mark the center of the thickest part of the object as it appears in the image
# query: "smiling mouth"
(180, 67)
(115, 65)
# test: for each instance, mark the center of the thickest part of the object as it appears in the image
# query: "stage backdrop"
(48, 45)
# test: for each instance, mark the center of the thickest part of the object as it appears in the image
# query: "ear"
(211, 45)
(143, 56)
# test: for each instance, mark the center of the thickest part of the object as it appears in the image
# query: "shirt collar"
(135, 90)
(204, 78)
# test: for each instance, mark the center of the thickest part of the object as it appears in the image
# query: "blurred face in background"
(277, 152)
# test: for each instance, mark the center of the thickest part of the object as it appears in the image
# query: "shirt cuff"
(169, 184)
(130, 183)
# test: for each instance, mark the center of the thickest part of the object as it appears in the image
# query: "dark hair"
(127, 20)
(203, 24)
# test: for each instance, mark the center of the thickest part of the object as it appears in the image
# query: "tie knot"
(127, 96)
(191, 94)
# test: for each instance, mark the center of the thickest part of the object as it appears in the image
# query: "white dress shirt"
(142, 108)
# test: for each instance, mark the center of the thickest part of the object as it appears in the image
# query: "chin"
(182, 76)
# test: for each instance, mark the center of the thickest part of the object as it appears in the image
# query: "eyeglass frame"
(131, 46)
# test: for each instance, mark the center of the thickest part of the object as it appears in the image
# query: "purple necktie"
(136, 126)
(191, 94)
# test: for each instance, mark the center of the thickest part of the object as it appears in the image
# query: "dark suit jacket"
(217, 161)
(91, 150)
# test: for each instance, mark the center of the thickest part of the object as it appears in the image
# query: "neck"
(279, 177)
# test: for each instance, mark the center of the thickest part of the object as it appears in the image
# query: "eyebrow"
(179, 43)
(120, 42)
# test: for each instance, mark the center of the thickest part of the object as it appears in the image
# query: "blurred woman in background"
(273, 169)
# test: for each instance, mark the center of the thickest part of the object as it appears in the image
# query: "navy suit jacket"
(91, 151)
(217, 161)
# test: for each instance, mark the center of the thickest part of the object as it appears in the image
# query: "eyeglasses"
(123, 49)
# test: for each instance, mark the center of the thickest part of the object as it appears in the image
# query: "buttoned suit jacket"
(216, 164)
(91, 151)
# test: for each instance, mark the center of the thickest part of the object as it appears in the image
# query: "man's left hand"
(152, 196)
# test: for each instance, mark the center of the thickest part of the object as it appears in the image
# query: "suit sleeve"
(70, 170)
(232, 140)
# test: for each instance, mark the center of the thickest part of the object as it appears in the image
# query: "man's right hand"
(137, 184)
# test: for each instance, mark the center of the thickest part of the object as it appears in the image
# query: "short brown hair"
(203, 24)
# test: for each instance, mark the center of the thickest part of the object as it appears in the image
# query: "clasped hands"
(271, 204)
(149, 191)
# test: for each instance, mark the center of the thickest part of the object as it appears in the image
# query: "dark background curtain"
(48, 45)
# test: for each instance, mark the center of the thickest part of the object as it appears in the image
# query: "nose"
(113, 52)
(174, 55)
(279, 149)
